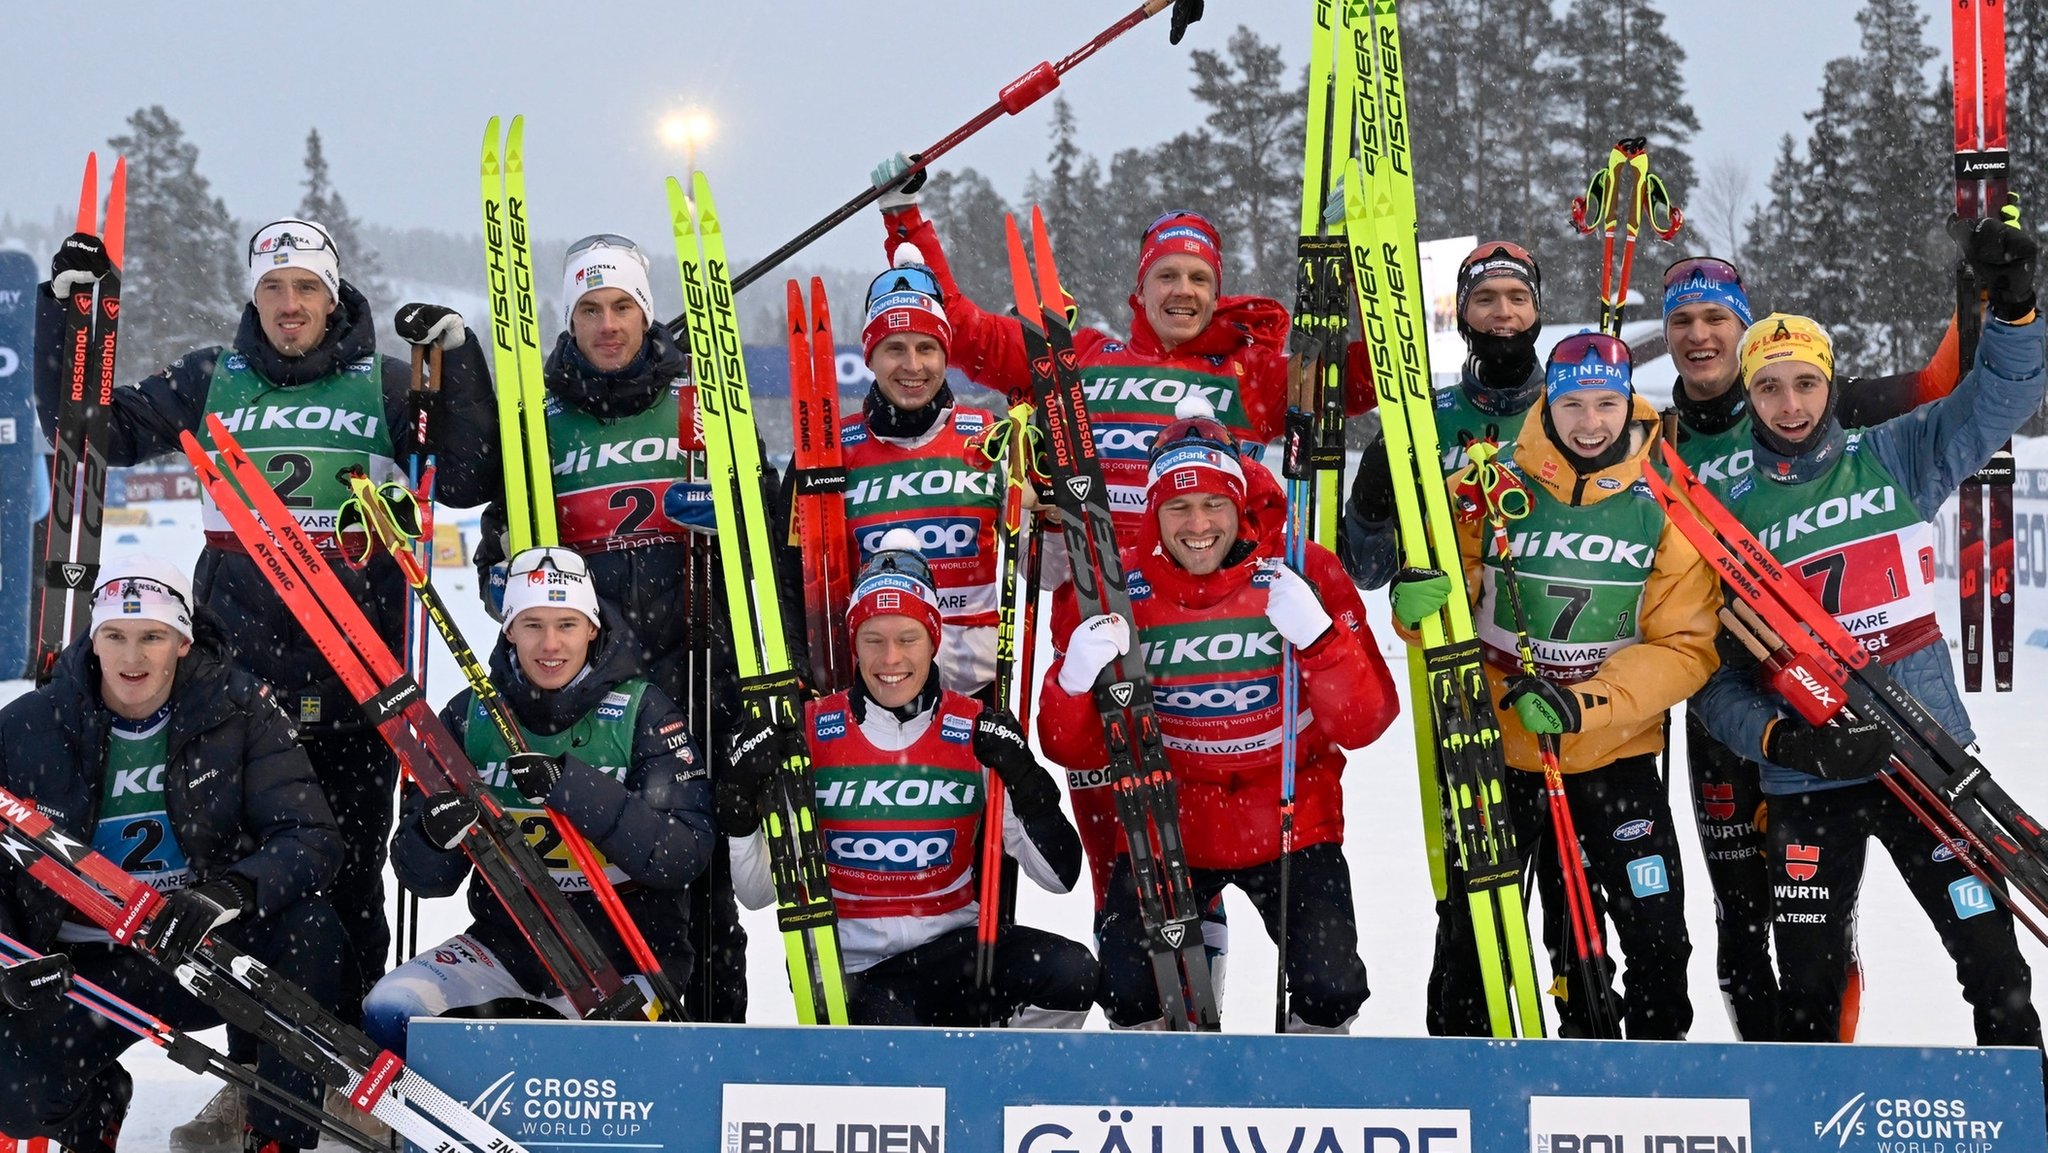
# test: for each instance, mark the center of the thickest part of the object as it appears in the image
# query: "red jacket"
(1239, 363)
(1215, 666)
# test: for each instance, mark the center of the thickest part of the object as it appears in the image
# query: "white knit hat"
(294, 243)
(542, 578)
(606, 260)
(143, 588)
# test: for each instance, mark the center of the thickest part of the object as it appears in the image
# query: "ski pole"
(1502, 499)
(1601, 209)
(1014, 98)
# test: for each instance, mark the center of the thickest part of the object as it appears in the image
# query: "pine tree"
(184, 279)
(323, 205)
(2026, 79)
(1620, 66)
(968, 213)
(1072, 195)
(1253, 154)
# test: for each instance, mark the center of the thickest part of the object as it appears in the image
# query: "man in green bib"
(152, 747)
(303, 389)
(1850, 515)
(605, 750)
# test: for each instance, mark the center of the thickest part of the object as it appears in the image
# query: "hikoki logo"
(525, 1108)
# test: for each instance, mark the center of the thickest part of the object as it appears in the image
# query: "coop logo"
(1124, 1128)
(1639, 1125)
(1228, 699)
(590, 1112)
(832, 1119)
(1909, 1125)
(885, 853)
(937, 537)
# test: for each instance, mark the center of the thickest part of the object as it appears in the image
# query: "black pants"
(1818, 841)
(717, 991)
(1728, 809)
(359, 774)
(1326, 981)
(1630, 854)
(933, 984)
(60, 1073)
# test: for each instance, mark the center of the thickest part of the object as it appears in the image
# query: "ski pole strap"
(1490, 491)
(391, 700)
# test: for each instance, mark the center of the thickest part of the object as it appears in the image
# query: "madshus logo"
(1909, 1125)
(589, 1109)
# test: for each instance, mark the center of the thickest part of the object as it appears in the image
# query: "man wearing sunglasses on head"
(1869, 560)
(607, 751)
(616, 384)
(1706, 311)
(305, 392)
(1187, 341)
(151, 746)
(1619, 608)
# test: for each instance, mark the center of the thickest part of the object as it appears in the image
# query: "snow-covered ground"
(1911, 995)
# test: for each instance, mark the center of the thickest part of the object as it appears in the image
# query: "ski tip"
(88, 195)
(515, 146)
(116, 227)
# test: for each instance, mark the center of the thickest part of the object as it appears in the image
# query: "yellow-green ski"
(515, 340)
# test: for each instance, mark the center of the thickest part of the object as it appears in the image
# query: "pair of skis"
(515, 340)
(1984, 505)
(817, 478)
(1380, 227)
(428, 752)
(78, 479)
(768, 683)
(1822, 671)
(1145, 798)
(247, 994)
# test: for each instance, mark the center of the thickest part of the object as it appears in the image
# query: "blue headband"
(1701, 288)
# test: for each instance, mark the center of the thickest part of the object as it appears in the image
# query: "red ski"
(818, 476)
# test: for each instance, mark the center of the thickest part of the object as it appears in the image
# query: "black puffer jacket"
(656, 826)
(147, 419)
(238, 787)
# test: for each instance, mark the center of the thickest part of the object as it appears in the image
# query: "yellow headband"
(1782, 337)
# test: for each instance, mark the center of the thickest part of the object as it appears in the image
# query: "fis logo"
(890, 853)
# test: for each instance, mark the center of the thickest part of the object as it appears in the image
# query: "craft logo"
(832, 1119)
(589, 1112)
(1639, 1125)
(1802, 862)
(1123, 1128)
(1908, 1125)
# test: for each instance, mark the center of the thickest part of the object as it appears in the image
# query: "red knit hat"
(1194, 454)
(896, 582)
(905, 299)
(1185, 233)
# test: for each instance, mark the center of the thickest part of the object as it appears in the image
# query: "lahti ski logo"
(1846, 1122)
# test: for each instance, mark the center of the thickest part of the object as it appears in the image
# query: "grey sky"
(807, 94)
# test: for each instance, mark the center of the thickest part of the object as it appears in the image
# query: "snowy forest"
(1513, 107)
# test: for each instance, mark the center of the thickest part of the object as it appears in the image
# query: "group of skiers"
(196, 735)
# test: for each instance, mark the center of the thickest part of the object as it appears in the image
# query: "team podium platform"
(746, 1089)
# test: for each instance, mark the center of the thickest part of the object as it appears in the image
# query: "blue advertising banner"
(745, 1089)
(18, 457)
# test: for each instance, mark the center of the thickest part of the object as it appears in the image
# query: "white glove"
(1098, 641)
(1294, 608)
(900, 196)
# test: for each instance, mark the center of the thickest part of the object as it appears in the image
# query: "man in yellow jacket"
(1620, 614)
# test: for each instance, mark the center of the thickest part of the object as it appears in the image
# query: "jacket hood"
(1539, 459)
(1239, 321)
(611, 395)
(1263, 525)
(614, 659)
(351, 335)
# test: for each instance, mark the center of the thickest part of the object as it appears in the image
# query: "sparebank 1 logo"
(588, 1109)
(1909, 1125)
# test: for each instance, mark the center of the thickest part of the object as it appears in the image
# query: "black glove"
(2001, 257)
(36, 984)
(535, 775)
(430, 324)
(1543, 705)
(80, 262)
(447, 818)
(189, 915)
(1372, 493)
(999, 743)
(1841, 750)
(759, 749)
(1185, 12)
